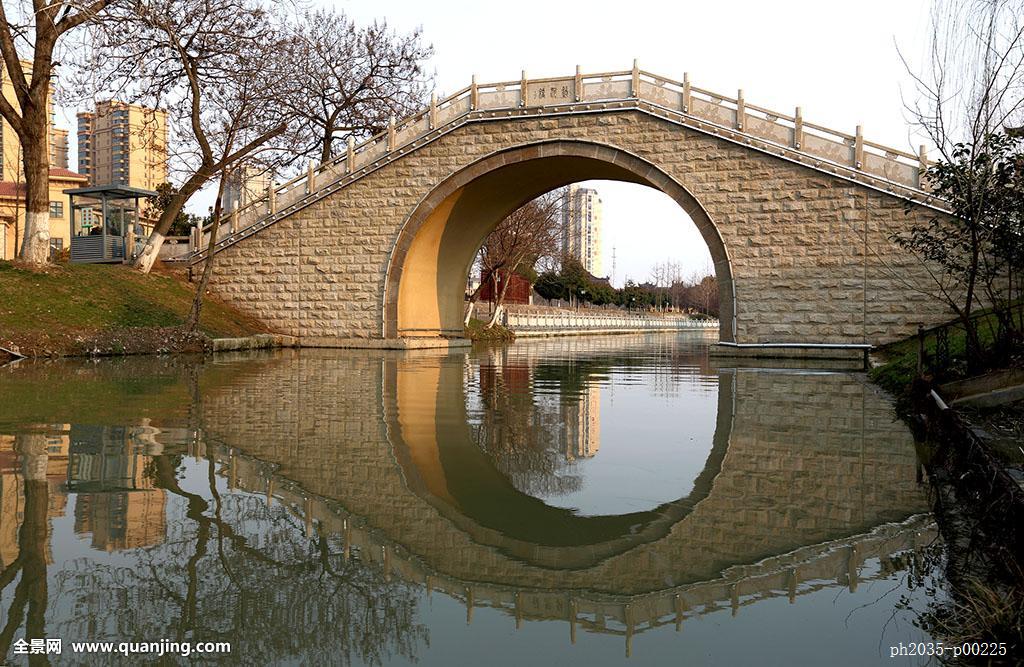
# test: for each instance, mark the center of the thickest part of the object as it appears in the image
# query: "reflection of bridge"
(797, 217)
(808, 477)
(792, 574)
(810, 458)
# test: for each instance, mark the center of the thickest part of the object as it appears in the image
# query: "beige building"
(58, 148)
(11, 168)
(12, 179)
(581, 227)
(12, 212)
(123, 144)
(245, 186)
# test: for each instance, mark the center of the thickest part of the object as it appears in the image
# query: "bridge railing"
(588, 321)
(733, 118)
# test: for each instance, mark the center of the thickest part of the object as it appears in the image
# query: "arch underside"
(424, 296)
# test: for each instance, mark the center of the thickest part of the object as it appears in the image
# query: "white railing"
(732, 117)
(590, 321)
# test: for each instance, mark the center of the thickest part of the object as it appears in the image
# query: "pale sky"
(837, 60)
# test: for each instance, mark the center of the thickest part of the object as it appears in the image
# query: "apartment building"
(123, 144)
(581, 227)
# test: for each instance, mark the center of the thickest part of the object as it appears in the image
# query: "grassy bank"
(107, 309)
(477, 331)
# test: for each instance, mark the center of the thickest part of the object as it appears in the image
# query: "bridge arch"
(434, 251)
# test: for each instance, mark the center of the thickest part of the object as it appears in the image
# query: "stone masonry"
(809, 252)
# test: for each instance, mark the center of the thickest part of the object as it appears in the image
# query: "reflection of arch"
(426, 276)
(431, 440)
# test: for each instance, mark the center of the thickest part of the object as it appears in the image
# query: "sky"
(837, 60)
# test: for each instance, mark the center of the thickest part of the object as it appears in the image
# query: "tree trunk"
(192, 323)
(35, 248)
(499, 302)
(144, 262)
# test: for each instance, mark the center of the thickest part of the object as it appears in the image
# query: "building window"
(56, 209)
(56, 247)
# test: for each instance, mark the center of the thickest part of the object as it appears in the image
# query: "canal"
(594, 500)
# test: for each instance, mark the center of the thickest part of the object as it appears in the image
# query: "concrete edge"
(791, 351)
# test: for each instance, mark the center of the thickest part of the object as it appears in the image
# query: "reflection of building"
(583, 425)
(123, 144)
(116, 502)
(47, 454)
(581, 227)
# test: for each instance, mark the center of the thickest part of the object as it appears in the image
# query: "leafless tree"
(529, 233)
(36, 29)
(202, 61)
(348, 79)
(969, 92)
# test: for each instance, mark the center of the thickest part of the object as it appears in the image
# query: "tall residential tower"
(123, 144)
(581, 227)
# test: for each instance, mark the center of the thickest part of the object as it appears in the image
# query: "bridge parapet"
(790, 137)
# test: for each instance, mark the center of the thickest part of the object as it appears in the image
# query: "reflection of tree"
(522, 435)
(31, 590)
(234, 569)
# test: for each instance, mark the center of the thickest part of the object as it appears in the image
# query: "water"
(608, 500)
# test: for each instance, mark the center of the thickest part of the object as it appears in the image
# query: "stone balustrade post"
(271, 199)
(635, 83)
(578, 83)
(741, 109)
(310, 178)
(474, 95)
(432, 119)
(798, 129)
(350, 156)
(391, 133)
(922, 159)
(524, 94)
(234, 217)
(686, 92)
(858, 148)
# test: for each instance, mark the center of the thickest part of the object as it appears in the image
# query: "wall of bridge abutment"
(808, 254)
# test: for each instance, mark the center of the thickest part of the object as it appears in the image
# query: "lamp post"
(583, 296)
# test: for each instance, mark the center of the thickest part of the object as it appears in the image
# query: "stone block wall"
(810, 253)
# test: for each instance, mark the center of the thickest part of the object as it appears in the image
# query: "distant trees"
(574, 284)
(36, 28)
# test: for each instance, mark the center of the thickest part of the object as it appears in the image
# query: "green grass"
(476, 331)
(98, 297)
(900, 358)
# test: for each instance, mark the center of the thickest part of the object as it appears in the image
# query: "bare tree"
(36, 29)
(527, 234)
(347, 80)
(201, 60)
(968, 94)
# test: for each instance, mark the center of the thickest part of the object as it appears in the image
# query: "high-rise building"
(123, 144)
(58, 148)
(581, 227)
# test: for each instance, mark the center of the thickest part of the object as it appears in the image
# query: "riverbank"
(970, 428)
(97, 309)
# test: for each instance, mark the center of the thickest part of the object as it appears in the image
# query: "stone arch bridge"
(373, 248)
